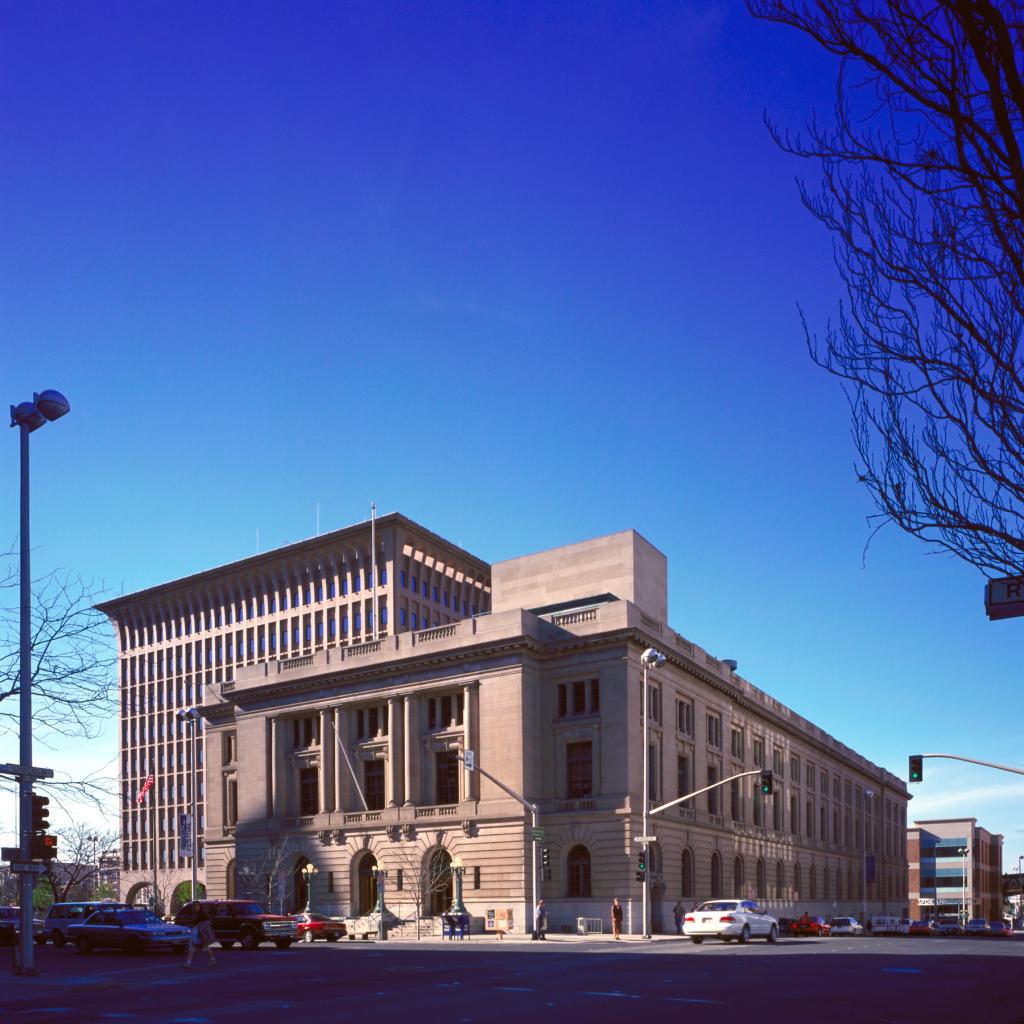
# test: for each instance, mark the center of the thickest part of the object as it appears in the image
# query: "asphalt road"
(889, 981)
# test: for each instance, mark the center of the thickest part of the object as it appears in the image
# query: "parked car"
(133, 931)
(1000, 929)
(885, 924)
(319, 926)
(948, 928)
(920, 928)
(61, 916)
(241, 921)
(976, 926)
(847, 926)
(741, 920)
(10, 927)
(809, 924)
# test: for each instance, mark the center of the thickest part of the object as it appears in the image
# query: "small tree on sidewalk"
(425, 872)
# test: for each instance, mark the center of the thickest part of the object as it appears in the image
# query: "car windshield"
(138, 917)
(719, 905)
(9, 913)
(838, 921)
(317, 917)
(248, 908)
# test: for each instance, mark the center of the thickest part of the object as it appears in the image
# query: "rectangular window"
(777, 763)
(373, 784)
(738, 743)
(794, 769)
(231, 802)
(684, 717)
(579, 698)
(446, 712)
(654, 703)
(432, 713)
(794, 815)
(309, 797)
(736, 800)
(653, 774)
(713, 794)
(682, 775)
(401, 616)
(403, 579)
(446, 766)
(563, 706)
(758, 753)
(715, 731)
(578, 769)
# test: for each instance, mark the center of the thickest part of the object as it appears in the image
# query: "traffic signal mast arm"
(714, 785)
(970, 760)
(501, 785)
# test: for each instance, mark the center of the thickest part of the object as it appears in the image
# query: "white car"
(847, 926)
(741, 920)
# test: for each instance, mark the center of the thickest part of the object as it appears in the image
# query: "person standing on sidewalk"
(202, 936)
(678, 914)
(616, 918)
(540, 922)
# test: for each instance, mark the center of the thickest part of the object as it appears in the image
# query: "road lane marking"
(513, 988)
(611, 995)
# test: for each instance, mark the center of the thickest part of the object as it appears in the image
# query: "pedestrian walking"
(678, 913)
(540, 921)
(616, 918)
(202, 936)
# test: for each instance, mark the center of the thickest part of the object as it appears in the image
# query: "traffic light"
(916, 767)
(767, 782)
(545, 857)
(40, 813)
(641, 865)
(44, 847)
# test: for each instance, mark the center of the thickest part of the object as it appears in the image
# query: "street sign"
(538, 835)
(469, 760)
(1004, 598)
(27, 868)
(10, 852)
(24, 769)
(185, 837)
(645, 839)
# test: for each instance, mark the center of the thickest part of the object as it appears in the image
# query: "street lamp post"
(190, 716)
(868, 794)
(649, 659)
(963, 899)
(28, 416)
(458, 870)
(309, 873)
(1020, 882)
(381, 877)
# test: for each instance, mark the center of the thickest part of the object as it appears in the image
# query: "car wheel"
(332, 938)
(84, 945)
(696, 939)
(58, 938)
(134, 946)
(308, 936)
(282, 943)
(249, 939)
(744, 936)
(773, 934)
(225, 944)
(179, 949)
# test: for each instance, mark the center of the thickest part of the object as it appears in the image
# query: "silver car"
(741, 920)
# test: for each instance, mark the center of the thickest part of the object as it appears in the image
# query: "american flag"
(146, 787)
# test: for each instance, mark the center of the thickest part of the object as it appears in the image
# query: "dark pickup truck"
(241, 921)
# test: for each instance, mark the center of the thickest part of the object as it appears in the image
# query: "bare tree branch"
(922, 187)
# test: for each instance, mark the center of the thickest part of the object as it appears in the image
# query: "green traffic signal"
(916, 772)
(767, 782)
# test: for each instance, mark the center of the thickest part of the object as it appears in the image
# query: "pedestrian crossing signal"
(916, 768)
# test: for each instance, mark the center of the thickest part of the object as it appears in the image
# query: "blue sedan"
(133, 931)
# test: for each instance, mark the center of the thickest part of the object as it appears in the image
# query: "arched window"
(796, 881)
(780, 881)
(737, 878)
(686, 888)
(577, 866)
(814, 882)
(762, 887)
(716, 876)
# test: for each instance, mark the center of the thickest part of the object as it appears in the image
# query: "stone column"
(410, 734)
(342, 781)
(469, 788)
(276, 775)
(324, 776)
(394, 766)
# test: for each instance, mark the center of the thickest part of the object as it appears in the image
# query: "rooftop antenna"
(373, 561)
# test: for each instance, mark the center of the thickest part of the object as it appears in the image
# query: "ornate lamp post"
(650, 659)
(309, 872)
(457, 907)
(380, 876)
(190, 718)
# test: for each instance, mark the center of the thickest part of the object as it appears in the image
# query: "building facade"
(956, 870)
(342, 753)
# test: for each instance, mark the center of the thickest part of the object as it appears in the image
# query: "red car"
(318, 926)
(809, 924)
(920, 928)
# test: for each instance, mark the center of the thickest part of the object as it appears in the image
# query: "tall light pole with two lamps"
(649, 659)
(190, 716)
(28, 416)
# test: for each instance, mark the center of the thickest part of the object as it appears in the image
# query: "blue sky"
(527, 273)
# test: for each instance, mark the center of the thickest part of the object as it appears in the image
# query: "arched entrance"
(183, 894)
(366, 886)
(140, 895)
(439, 889)
(231, 879)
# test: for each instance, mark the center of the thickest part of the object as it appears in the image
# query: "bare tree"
(922, 187)
(256, 874)
(76, 874)
(424, 873)
(73, 670)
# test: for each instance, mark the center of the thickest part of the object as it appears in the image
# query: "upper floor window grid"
(582, 697)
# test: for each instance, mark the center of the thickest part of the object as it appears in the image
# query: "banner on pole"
(186, 843)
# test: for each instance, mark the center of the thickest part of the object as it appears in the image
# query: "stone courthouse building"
(336, 701)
